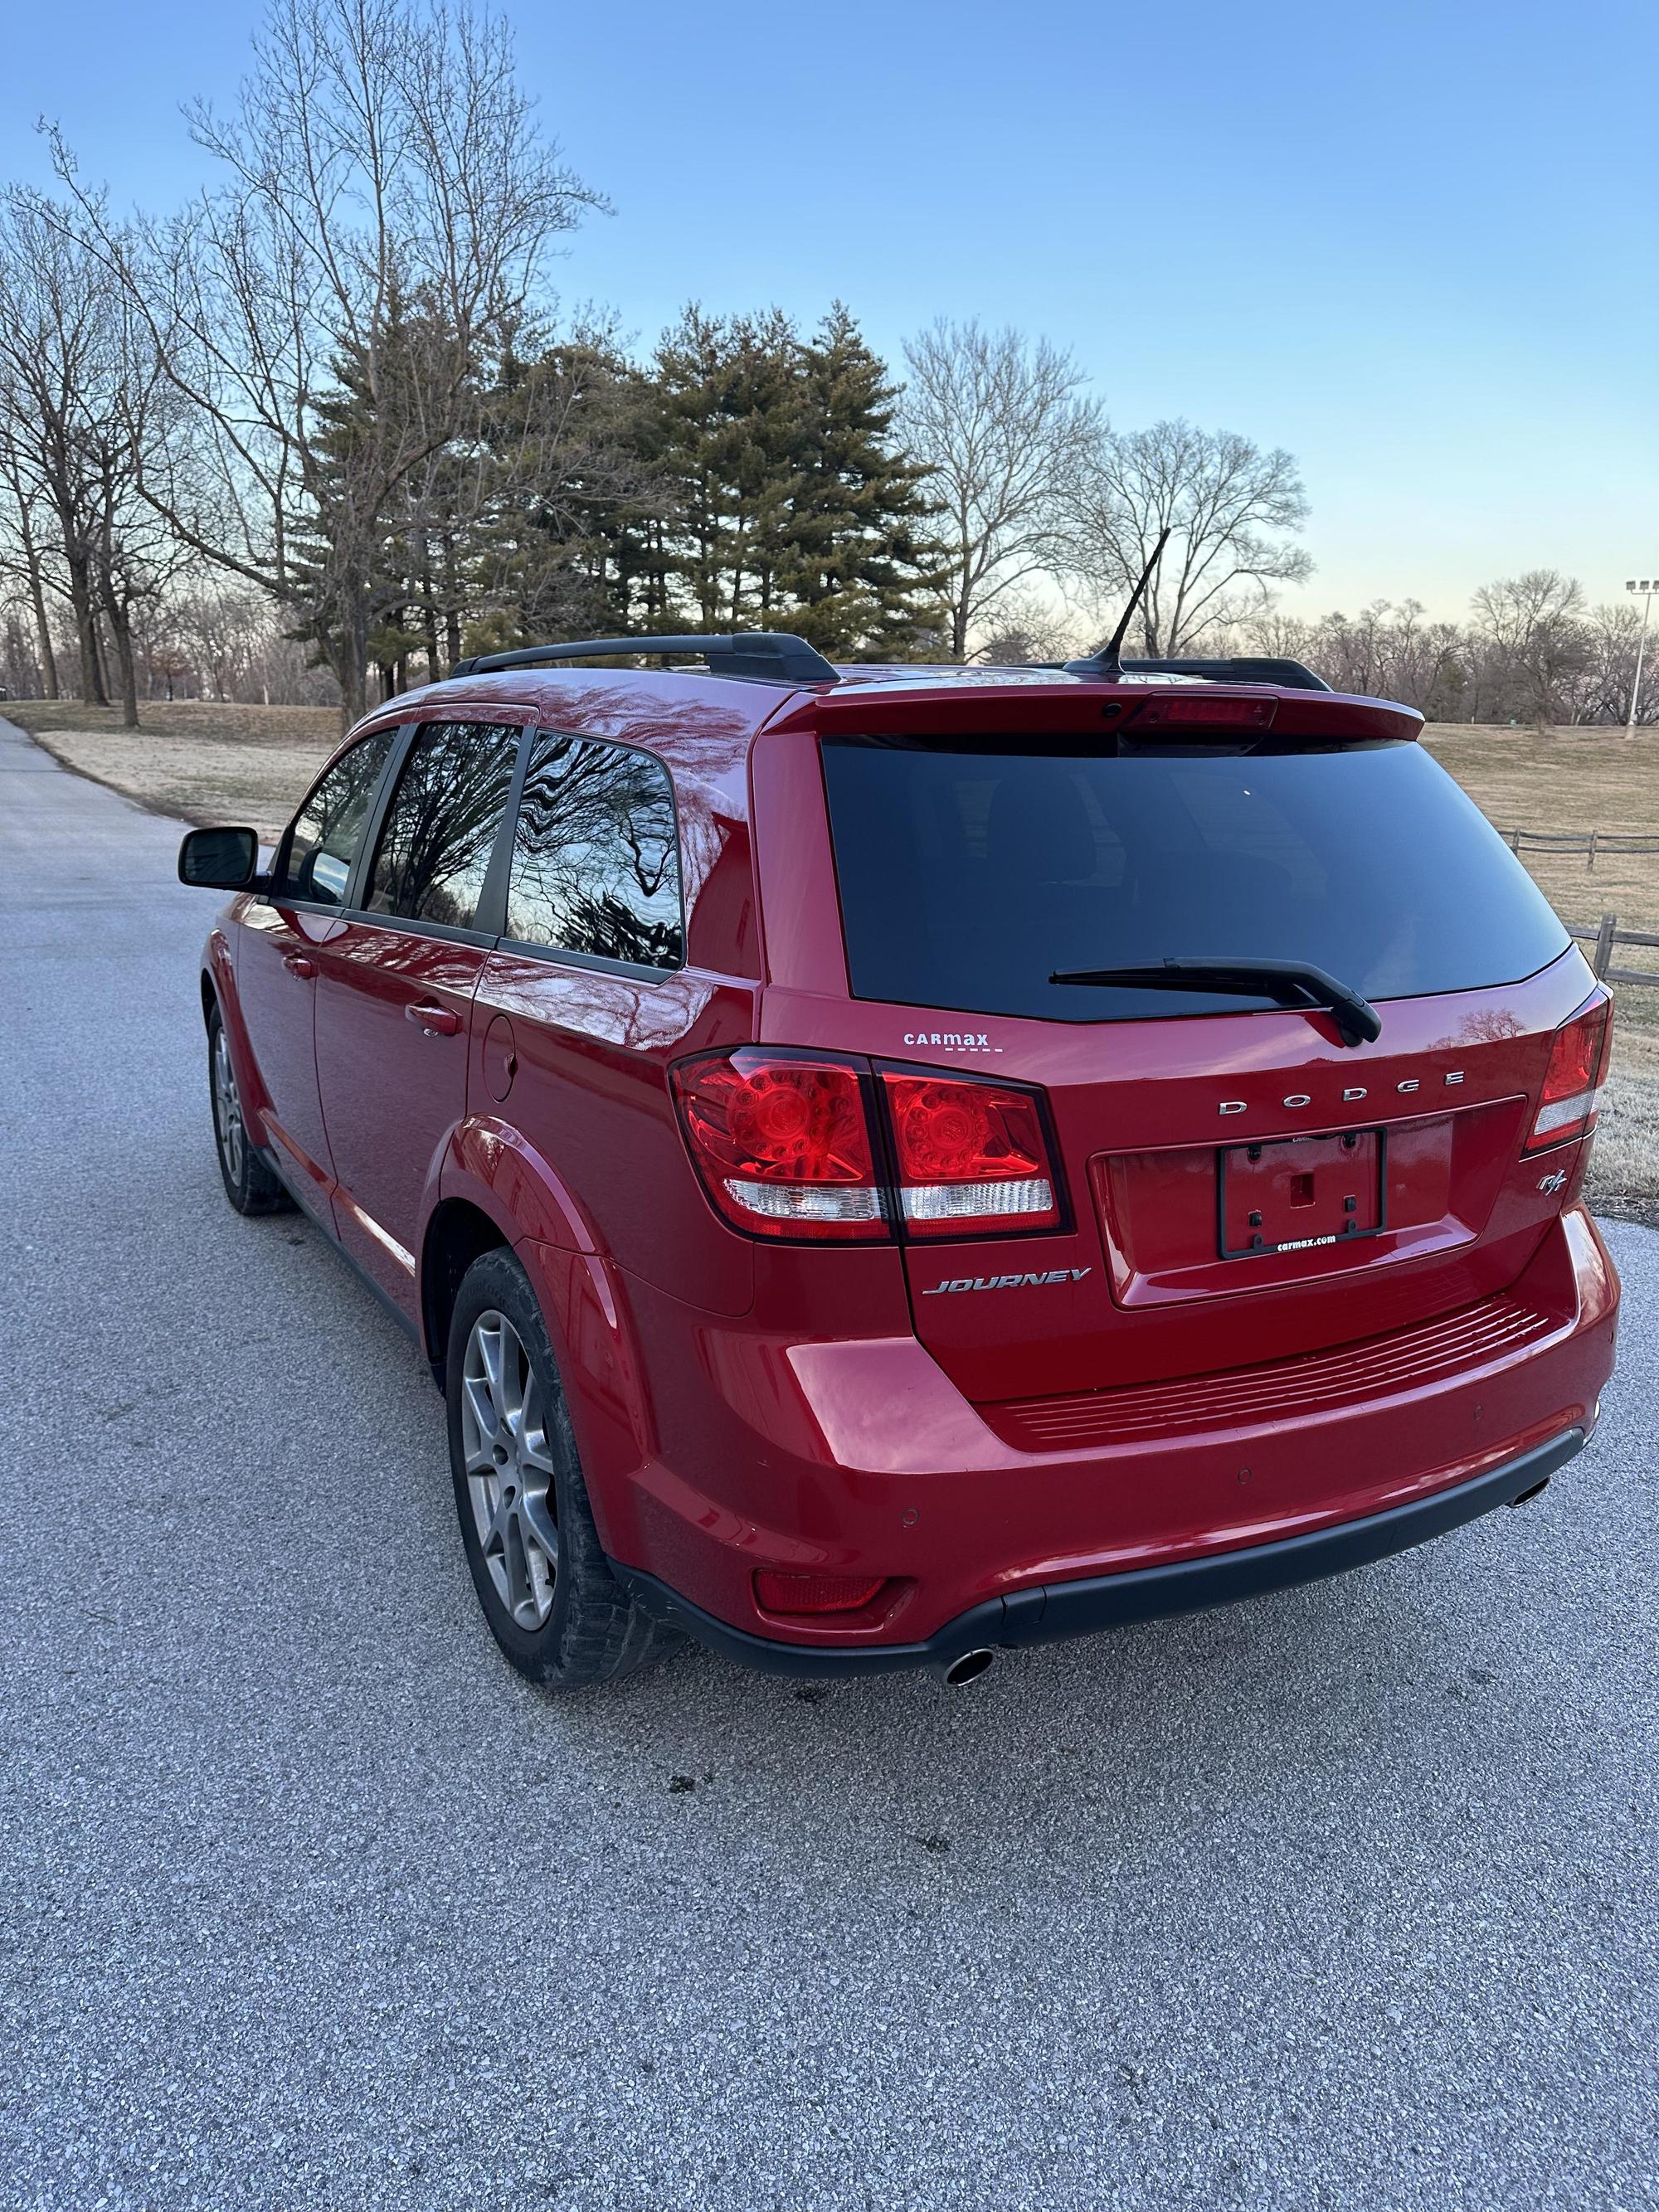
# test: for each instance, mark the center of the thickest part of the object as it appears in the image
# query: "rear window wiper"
(1292, 982)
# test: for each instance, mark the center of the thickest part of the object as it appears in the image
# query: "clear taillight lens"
(782, 1144)
(1572, 1081)
(971, 1156)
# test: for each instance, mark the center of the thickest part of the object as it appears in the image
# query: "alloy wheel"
(227, 1109)
(509, 1468)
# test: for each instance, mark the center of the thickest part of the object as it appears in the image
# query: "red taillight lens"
(1572, 1081)
(782, 1144)
(775, 1592)
(971, 1156)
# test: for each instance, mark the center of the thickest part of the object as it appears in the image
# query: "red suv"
(891, 1163)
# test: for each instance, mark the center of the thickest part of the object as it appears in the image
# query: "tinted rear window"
(967, 877)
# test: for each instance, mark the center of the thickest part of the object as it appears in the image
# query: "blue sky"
(1413, 243)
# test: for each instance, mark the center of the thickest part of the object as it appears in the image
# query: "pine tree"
(572, 542)
(792, 507)
(747, 479)
(734, 433)
(864, 571)
(349, 577)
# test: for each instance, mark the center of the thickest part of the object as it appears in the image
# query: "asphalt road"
(1343, 1899)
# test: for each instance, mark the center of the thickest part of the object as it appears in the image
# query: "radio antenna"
(1107, 665)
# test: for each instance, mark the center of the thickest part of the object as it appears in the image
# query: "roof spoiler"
(1292, 674)
(764, 656)
(1017, 711)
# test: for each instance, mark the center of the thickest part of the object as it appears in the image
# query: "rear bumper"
(859, 1455)
(1051, 1611)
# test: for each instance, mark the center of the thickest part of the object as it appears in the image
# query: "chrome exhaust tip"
(1526, 1497)
(967, 1667)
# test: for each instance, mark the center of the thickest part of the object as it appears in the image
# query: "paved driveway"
(1345, 1899)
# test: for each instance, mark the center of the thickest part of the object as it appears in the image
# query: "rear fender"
(496, 1167)
(493, 1166)
(583, 1301)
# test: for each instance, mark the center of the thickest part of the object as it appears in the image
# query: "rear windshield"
(968, 877)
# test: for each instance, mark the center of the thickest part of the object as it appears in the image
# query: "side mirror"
(219, 859)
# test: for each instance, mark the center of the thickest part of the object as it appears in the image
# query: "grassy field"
(195, 758)
(209, 763)
(1588, 780)
(1571, 779)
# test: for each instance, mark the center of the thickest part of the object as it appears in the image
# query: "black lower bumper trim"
(1053, 1611)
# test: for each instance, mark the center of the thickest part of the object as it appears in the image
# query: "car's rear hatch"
(1238, 1183)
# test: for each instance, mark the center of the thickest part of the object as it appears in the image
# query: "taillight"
(971, 1156)
(782, 1144)
(1572, 1081)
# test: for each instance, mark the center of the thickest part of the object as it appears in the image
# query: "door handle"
(297, 964)
(435, 1020)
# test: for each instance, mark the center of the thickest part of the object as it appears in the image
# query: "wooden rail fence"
(1606, 936)
(1589, 842)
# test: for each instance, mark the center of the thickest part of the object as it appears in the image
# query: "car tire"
(250, 1184)
(552, 1603)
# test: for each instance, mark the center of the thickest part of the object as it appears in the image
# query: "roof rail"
(769, 656)
(1248, 669)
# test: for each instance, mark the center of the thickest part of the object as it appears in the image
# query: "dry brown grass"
(197, 758)
(1588, 780)
(1624, 1175)
(1573, 780)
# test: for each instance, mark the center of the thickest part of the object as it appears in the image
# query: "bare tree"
(212, 638)
(1423, 661)
(1598, 690)
(54, 332)
(1393, 651)
(1028, 629)
(22, 554)
(21, 676)
(82, 396)
(1229, 508)
(997, 420)
(1533, 649)
(135, 555)
(1534, 624)
(1281, 636)
(220, 628)
(329, 316)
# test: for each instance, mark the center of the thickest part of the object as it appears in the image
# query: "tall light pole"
(1647, 588)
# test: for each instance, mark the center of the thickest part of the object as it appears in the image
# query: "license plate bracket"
(1298, 1193)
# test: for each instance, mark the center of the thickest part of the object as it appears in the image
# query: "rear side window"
(967, 878)
(441, 826)
(323, 843)
(596, 867)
